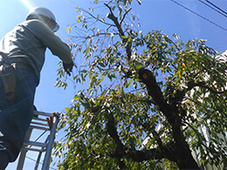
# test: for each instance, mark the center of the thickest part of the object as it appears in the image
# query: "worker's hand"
(68, 68)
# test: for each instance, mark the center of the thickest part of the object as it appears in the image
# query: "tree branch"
(137, 155)
(121, 32)
(125, 15)
(154, 153)
(95, 17)
(150, 128)
(202, 84)
(147, 77)
(180, 94)
(114, 19)
(112, 130)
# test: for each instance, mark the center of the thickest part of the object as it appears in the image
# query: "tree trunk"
(181, 151)
(185, 159)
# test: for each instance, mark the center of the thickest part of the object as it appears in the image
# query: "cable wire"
(199, 15)
(225, 15)
(38, 162)
(216, 7)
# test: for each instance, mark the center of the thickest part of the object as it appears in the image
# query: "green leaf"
(129, 83)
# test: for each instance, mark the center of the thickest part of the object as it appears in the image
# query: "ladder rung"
(39, 127)
(39, 144)
(42, 113)
(37, 118)
(33, 149)
(38, 123)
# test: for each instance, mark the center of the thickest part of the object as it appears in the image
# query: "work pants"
(16, 115)
(4, 160)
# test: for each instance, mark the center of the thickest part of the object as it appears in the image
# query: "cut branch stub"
(147, 77)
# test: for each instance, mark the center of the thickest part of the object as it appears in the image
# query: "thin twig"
(125, 15)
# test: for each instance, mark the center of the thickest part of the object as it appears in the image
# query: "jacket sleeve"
(50, 40)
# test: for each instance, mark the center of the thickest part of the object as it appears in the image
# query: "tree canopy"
(149, 100)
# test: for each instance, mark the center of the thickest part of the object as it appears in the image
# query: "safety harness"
(8, 76)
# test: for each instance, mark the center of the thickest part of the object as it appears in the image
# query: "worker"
(22, 55)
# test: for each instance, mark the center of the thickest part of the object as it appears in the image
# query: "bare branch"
(96, 18)
(115, 20)
(121, 32)
(125, 15)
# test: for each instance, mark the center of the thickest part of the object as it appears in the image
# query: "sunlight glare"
(27, 4)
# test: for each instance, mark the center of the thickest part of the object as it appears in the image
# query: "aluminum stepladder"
(45, 123)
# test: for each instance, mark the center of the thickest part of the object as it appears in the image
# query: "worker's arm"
(50, 40)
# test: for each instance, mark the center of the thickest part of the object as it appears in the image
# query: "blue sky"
(153, 14)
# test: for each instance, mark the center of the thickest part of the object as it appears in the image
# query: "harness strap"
(24, 66)
(18, 64)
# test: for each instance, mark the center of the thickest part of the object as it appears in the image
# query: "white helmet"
(38, 12)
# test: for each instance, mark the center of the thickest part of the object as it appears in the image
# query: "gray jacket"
(27, 44)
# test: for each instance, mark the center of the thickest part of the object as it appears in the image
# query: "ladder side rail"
(46, 162)
(20, 163)
(40, 154)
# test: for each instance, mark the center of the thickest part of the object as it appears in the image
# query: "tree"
(141, 87)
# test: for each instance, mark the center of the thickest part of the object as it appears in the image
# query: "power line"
(38, 162)
(217, 10)
(199, 15)
(216, 7)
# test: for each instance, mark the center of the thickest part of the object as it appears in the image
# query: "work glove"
(68, 68)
